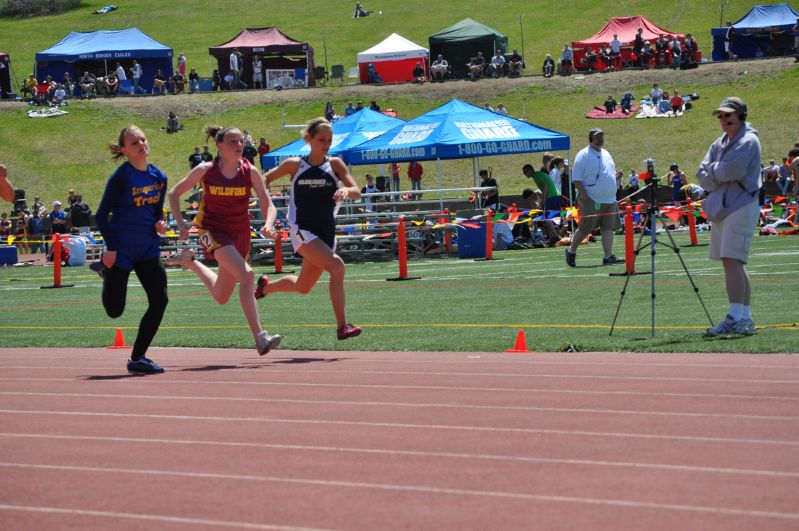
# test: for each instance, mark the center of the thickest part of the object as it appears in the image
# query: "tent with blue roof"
(347, 133)
(458, 130)
(98, 52)
(765, 27)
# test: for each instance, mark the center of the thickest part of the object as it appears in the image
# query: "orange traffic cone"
(521, 343)
(119, 340)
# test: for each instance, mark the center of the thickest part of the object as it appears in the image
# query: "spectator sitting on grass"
(172, 123)
(360, 11)
(501, 109)
(627, 102)
(610, 105)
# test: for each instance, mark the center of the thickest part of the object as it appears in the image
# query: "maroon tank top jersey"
(226, 202)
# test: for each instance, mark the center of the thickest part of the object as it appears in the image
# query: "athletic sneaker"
(184, 259)
(263, 280)
(144, 366)
(612, 260)
(99, 268)
(348, 331)
(729, 326)
(571, 259)
(264, 342)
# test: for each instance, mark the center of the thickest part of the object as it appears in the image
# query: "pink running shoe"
(263, 281)
(348, 331)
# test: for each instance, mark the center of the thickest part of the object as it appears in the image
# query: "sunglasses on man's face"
(723, 115)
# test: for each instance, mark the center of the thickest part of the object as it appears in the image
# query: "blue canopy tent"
(98, 52)
(457, 130)
(347, 133)
(765, 27)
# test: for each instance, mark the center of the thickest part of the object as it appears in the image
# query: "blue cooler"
(8, 255)
(472, 242)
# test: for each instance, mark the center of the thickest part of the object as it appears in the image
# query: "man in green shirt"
(551, 200)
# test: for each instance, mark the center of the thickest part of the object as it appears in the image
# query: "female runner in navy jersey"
(318, 185)
(134, 197)
(223, 221)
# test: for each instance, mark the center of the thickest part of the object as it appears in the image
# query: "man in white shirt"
(121, 73)
(497, 66)
(135, 74)
(439, 68)
(234, 69)
(566, 58)
(615, 52)
(594, 176)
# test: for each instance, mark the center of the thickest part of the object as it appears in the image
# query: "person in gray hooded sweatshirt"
(730, 173)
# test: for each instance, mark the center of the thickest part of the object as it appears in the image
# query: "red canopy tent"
(625, 28)
(278, 52)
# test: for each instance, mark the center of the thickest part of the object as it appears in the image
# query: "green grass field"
(48, 157)
(458, 305)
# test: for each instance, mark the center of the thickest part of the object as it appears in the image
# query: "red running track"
(413, 440)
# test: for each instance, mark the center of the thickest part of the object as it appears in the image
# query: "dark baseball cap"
(593, 132)
(732, 104)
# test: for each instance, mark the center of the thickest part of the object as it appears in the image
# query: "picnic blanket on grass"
(599, 113)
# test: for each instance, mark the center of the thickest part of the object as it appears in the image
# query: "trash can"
(472, 240)
(77, 249)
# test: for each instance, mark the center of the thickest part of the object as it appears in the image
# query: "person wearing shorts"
(223, 224)
(594, 176)
(730, 174)
(318, 185)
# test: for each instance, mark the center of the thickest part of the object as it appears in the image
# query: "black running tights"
(152, 275)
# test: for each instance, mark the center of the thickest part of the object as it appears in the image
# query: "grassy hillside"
(47, 157)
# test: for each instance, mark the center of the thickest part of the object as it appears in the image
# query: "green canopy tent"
(461, 41)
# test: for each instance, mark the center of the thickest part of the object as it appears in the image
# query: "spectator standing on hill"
(263, 149)
(130, 218)
(216, 81)
(120, 72)
(594, 176)
(638, 45)
(395, 178)
(415, 172)
(257, 72)
(729, 39)
(439, 68)
(730, 174)
(234, 68)
(207, 155)
(784, 179)
(58, 223)
(655, 94)
(196, 158)
(135, 76)
(795, 31)
(615, 49)
(676, 103)
(249, 152)
(330, 112)
(194, 81)
(182, 65)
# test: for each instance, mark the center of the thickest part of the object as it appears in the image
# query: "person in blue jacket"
(130, 218)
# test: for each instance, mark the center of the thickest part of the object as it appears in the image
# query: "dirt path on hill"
(613, 82)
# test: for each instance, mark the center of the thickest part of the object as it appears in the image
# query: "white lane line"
(412, 405)
(422, 489)
(488, 429)
(416, 453)
(272, 370)
(160, 380)
(571, 362)
(147, 517)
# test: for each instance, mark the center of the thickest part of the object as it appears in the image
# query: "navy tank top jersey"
(312, 206)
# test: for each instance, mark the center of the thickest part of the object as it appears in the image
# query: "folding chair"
(125, 86)
(337, 72)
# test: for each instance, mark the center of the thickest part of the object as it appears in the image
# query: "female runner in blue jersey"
(134, 200)
(318, 185)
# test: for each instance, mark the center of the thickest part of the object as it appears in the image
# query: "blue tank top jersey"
(312, 206)
(132, 204)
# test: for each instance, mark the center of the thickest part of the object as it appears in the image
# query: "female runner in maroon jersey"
(223, 221)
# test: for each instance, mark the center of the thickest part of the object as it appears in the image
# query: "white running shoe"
(264, 342)
(184, 259)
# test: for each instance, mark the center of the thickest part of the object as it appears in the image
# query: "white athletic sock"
(747, 312)
(736, 310)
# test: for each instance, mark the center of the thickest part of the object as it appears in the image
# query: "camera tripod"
(652, 214)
